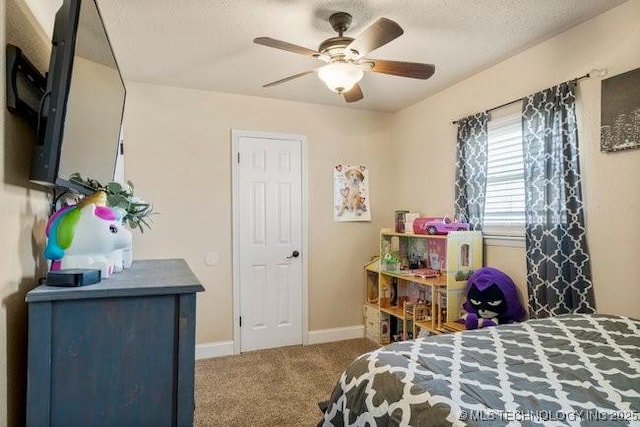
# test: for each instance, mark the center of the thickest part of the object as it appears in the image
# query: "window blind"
(504, 204)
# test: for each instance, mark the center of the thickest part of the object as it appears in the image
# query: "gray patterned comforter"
(568, 370)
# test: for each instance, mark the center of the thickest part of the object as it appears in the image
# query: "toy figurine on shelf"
(404, 263)
(85, 235)
(391, 262)
(394, 292)
(400, 221)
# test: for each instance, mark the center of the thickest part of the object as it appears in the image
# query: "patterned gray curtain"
(558, 268)
(471, 169)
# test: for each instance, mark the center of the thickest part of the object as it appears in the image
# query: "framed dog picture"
(351, 193)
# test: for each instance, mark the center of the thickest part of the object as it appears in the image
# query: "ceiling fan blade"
(378, 34)
(355, 94)
(413, 70)
(279, 44)
(286, 79)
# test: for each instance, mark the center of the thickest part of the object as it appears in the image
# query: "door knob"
(294, 254)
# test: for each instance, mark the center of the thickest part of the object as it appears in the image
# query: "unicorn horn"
(99, 198)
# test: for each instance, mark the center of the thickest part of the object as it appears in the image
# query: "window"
(504, 203)
(464, 255)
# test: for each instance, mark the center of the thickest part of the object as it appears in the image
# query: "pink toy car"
(438, 226)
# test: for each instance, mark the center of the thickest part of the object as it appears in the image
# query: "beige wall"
(178, 153)
(21, 208)
(611, 191)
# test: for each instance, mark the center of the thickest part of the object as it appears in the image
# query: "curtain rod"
(577, 79)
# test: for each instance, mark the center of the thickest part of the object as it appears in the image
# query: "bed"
(567, 370)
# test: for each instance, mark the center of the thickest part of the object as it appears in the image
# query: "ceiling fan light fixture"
(345, 58)
(340, 77)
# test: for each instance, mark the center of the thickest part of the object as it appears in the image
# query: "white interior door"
(269, 236)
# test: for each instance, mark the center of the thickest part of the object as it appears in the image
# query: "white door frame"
(236, 134)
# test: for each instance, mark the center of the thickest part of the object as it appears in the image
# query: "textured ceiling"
(208, 44)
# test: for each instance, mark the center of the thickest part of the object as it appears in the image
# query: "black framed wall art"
(620, 112)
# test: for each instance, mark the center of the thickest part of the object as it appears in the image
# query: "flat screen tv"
(81, 111)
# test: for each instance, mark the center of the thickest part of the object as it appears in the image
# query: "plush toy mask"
(492, 299)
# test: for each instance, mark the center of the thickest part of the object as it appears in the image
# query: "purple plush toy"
(492, 299)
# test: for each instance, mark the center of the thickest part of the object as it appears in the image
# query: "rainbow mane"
(61, 227)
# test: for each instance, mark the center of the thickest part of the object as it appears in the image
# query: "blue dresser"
(117, 353)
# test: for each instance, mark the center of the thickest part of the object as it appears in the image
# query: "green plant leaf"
(117, 201)
(114, 187)
(136, 213)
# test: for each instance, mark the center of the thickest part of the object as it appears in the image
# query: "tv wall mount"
(26, 86)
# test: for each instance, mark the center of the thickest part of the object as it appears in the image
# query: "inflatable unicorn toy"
(85, 236)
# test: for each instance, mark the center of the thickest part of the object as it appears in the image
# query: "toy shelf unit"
(421, 282)
(376, 322)
(371, 272)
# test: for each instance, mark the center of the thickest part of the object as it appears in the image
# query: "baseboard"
(214, 349)
(336, 334)
(225, 348)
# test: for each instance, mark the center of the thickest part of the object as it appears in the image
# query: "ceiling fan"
(344, 57)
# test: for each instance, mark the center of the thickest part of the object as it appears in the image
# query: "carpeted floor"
(279, 387)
